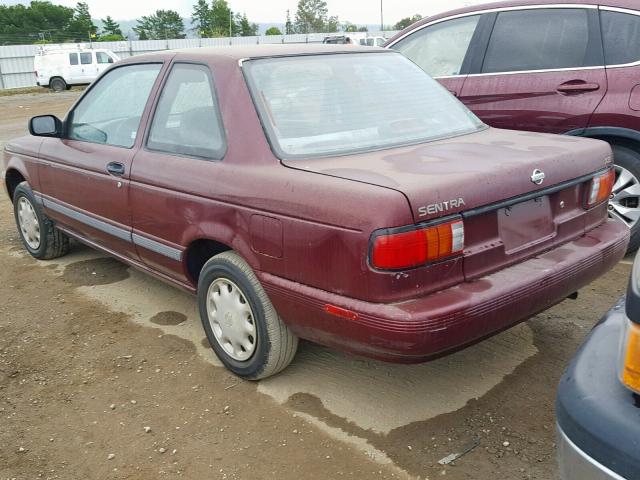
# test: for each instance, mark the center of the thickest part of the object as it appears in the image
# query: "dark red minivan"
(333, 193)
(545, 66)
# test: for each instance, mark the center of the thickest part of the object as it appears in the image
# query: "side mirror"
(45, 126)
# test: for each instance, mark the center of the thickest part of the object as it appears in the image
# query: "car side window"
(102, 57)
(440, 49)
(621, 35)
(85, 58)
(187, 119)
(73, 59)
(111, 111)
(538, 39)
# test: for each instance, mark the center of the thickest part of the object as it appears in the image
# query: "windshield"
(321, 105)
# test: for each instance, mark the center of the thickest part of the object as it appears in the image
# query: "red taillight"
(600, 187)
(393, 251)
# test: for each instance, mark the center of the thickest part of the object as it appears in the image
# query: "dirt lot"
(93, 352)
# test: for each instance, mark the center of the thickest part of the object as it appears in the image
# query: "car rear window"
(323, 105)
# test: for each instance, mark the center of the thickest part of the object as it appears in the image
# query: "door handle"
(115, 168)
(577, 87)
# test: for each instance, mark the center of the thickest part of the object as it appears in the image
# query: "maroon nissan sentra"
(335, 194)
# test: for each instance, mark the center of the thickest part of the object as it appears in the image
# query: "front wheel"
(239, 320)
(39, 236)
(624, 204)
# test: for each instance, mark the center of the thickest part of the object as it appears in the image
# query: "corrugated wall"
(16, 61)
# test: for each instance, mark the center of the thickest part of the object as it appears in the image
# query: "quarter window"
(73, 59)
(621, 33)
(111, 110)
(85, 58)
(539, 39)
(187, 118)
(440, 49)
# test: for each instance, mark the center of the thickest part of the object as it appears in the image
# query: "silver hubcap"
(231, 319)
(28, 223)
(624, 204)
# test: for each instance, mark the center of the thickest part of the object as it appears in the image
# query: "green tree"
(222, 19)
(81, 25)
(202, 19)
(244, 28)
(160, 25)
(288, 26)
(363, 29)
(111, 31)
(273, 31)
(312, 16)
(405, 22)
(39, 22)
(349, 27)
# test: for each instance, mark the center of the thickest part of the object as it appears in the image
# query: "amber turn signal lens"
(600, 188)
(630, 374)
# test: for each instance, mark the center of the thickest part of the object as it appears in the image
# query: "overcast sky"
(264, 11)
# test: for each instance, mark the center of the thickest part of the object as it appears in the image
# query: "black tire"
(57, 84)
(275, 345)
(53, 243)
(628, 159)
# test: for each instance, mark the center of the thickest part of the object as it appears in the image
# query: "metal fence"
(16, 61)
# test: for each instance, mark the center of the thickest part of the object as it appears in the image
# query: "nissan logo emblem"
(537, 177)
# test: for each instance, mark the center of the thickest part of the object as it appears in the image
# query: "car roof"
(237, 53)
(629, 4)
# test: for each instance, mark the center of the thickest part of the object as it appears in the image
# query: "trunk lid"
(469, 173)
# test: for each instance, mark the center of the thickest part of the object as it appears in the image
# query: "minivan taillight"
(395, 249)
(599, 189)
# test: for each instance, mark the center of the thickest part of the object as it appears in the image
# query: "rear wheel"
(624, 204)
(239, 320)
(39, 236)
(57, 84)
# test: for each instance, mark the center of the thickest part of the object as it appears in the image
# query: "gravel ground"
(104, 374)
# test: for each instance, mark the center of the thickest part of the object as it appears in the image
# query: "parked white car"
(59, 68)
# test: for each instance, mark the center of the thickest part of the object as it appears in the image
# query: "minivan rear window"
(333, 104)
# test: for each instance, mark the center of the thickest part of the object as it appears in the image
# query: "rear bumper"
(430, 326)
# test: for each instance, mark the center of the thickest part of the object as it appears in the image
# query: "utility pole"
(381, 18)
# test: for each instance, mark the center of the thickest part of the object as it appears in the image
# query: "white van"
(356, 38)
(60, 67)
